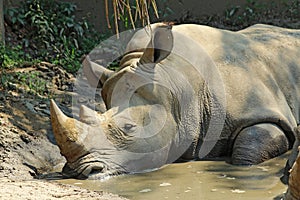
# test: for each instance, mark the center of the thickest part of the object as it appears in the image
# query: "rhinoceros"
(188, 92)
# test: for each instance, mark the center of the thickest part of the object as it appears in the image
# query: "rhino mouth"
(89, 167)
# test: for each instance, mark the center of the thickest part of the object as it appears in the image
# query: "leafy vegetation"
(49, 29)
(14, 57)
(29, 82)
(254, 11)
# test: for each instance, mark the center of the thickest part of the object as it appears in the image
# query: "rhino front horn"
(66, 132)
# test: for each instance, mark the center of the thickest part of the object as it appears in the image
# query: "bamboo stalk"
(123, 6)
(116, 17)
(106, 14)
(130, 14)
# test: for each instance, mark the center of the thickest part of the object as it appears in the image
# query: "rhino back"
(260, 68)
(260, 71)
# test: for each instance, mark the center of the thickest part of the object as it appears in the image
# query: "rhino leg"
(258, 143)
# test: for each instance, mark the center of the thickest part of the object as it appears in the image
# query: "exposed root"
(293, 192)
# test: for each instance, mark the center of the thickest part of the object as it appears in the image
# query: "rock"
(64, 87)
(15, 99)
(42, 67)
(25, 138)
(47, 112)
(30, 107)
(51, 74)
(12, 86)
(43, 106)
(82, 100)
(2, 97)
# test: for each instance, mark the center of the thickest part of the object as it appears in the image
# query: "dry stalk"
(125, 6)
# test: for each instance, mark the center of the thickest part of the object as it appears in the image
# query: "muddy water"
(207, 180)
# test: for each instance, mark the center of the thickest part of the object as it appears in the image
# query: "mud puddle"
(208, 180)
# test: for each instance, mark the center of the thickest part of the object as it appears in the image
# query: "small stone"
(230, 178)
(222, 176)
(47, 112)
(42, 67)
(25, 138)
(64, 87)
(21, 90)
(82, 100)
(238, 191)
(165, 184)
(145, 190)
(12, 86)
(43, 106)
(263, 168)
(51, 74)
(30, 107)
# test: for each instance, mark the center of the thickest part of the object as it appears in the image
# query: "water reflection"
(208, 180)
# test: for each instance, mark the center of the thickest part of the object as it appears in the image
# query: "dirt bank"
(38, 189)
(29, 157)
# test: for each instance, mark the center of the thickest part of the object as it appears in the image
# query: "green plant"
(238, 15)
(35, 84)
(11, 57)
(15, 16)
(5, 78)
(165, 11)
(29, 82)
(52, 31)
(293, 8)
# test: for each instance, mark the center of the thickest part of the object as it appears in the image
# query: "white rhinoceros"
(188, 92)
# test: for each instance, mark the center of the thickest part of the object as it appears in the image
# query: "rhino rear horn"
(67, 133)
(87, 115)
(95, 73)
(160, 46)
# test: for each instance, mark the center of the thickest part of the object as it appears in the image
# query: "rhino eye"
(129, 127)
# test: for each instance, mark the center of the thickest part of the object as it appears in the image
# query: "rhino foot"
(258, 143)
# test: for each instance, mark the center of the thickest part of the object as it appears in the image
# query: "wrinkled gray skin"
(159, 107)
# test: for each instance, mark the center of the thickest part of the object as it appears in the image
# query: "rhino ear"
(95, 73)
(160, 46)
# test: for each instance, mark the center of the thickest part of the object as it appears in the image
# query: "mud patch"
(36, 190)
(28, 152)
(209, 180)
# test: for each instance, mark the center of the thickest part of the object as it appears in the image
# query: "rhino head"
(111, 143)
(151, 120)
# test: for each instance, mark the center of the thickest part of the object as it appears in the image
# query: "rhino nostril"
(90, 170)
(97, 169)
